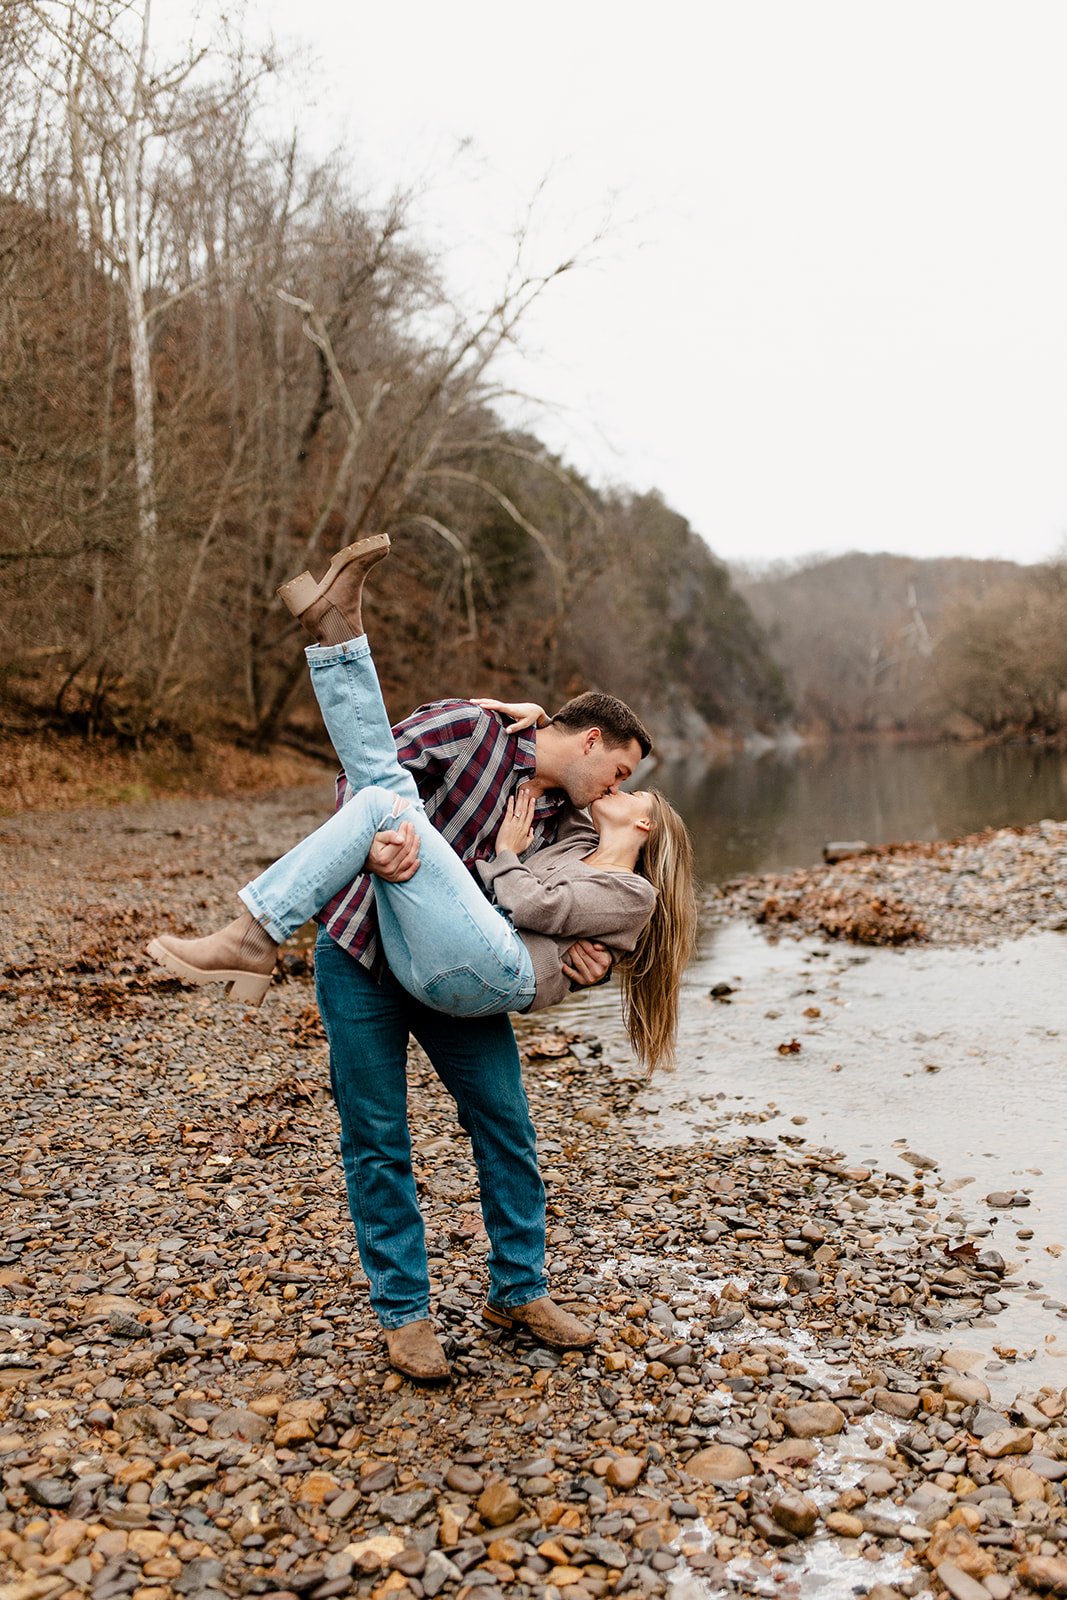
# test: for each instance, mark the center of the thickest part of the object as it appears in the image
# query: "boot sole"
(248, 988)
(422, 1377)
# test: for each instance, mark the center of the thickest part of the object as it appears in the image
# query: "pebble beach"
(194, 1399)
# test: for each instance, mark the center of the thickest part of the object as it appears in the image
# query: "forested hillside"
(874, 643)
(217, 366)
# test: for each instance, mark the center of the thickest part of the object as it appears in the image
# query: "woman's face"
(622, 809)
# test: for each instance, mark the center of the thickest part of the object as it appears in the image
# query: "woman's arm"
(587, 962)
(609, 906)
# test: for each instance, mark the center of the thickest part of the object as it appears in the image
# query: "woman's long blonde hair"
(652, 975)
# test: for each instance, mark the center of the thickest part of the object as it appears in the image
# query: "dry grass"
(43, 771)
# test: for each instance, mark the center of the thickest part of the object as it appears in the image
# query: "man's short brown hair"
(617, 723)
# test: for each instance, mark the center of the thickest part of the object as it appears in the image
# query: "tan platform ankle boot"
(241, 955)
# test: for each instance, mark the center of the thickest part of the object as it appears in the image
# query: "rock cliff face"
(663, 626)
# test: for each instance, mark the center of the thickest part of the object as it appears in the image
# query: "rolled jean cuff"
(251, 901)
(324, 655)
(519, 1297)
(402, 1320)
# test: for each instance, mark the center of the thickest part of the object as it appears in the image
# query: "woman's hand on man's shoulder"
(524, 713)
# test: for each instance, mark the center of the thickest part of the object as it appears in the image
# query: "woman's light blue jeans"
(444, 941)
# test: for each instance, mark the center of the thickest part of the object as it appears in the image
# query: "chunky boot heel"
(249, 990)
(299, 593)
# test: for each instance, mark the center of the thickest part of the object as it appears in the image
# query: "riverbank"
(992, 885)
(193, 1394)
(43, 770)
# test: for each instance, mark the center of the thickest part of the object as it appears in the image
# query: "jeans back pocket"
(463, 992)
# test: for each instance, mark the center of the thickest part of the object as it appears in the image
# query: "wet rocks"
(498, 1504)
(796, 1514)
(624, 1471)
(1047, 1574)
(814, 1419)
(893, 1403)
(50, 1492)
(965, 891)
(405, 1508)
(465, 1480)
(241, 1432)
(844, 1524)
(958, 1547)
(1007, 1442)
(959, 1584)
(237, 1423)
(967, 1390)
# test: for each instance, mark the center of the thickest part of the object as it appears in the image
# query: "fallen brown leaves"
(45, 770)
(852, 913)
(546, 1046)
(97, 960)
(991, 885)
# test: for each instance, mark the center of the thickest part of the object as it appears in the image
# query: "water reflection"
(764, 813)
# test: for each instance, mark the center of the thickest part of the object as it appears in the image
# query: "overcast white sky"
(831, 313)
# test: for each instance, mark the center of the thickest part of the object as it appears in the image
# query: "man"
(466, 766)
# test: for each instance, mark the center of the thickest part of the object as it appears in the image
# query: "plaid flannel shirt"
(465, 767)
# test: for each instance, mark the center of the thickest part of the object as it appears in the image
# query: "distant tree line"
(218, 365)
(881, 643)
(1003, 661)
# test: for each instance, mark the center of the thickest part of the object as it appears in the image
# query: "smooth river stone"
(720, 1463)
(1007, 1442)
(959, 1584)
(813, 1419)
(961, 1360)
(966, 1389)
(894, 1404)
(796, 1514)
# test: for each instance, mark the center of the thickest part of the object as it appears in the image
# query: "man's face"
(598, 769)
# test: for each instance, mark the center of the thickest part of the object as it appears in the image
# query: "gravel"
(988, 886)
(194, 1398)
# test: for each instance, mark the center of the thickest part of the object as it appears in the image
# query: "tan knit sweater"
(554, 898)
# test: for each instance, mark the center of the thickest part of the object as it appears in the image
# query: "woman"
(625, 879)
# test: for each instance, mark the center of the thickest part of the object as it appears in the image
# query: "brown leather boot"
(331, 610)
(414, 1350)
(241, 955)
(546, 1321)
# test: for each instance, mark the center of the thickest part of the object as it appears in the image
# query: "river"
(765, 813)
(956, 1053)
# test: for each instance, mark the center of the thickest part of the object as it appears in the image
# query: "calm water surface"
(769, 812)
(958, 1053)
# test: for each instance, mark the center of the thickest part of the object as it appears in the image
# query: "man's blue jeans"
(368, 1024)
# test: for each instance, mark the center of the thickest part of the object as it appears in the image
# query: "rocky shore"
(987, 886)
(193, 1395)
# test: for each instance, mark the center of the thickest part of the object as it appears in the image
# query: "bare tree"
(124, 115)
